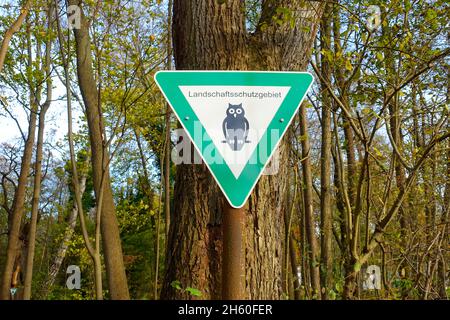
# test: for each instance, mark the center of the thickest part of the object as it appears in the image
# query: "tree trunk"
(443, 264)
(325, 161)
(38, 170)
(290, 284)
(34, 209)
(112, 247)
(15, 219)
(168, 132)
(212, 35)
(347, 188)
(10, 32)
(310, 222)
(293, 248)
(344, 97)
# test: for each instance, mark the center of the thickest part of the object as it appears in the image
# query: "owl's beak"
(235, 115)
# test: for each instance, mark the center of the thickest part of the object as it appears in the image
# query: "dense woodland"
(363, 172)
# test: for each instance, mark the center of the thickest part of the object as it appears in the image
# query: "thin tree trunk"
(310, 221)
(325, 163)
(305, 270)
(288, 222)
(291, 245)
(443, 263)
(10, 32)
(396, 134)
(94, 253)
(285, 246)
(15, 219)
(293, 248)
(348, 132)
(38, 171)
(158, 227)
(168, 132)
(347, 192)
(112, 247)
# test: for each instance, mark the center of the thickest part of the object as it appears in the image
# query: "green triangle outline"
(235, 190)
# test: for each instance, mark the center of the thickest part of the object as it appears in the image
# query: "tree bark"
(34, 208)
(325, 161)
(38, 173)
(395, 121)
(310, 221)
(112, 247)
(293, 248)
(443, 264)
(211, 35)
(10, 32)
(15, 219)
(168, 143)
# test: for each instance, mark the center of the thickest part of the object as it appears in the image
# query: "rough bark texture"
(112, 247)
(212, 35)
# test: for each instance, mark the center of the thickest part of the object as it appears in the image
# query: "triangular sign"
(235, 119)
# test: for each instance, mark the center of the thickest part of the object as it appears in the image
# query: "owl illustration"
(235, 127)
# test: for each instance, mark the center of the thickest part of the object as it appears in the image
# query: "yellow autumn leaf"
(348, 65)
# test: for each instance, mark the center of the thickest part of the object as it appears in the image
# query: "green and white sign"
(235, 119)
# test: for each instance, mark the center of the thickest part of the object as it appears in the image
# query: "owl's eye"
(231, 111)
(239, 111)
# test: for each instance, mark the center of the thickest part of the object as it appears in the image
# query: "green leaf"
(430, 15)
(176, 284)
(377, 152)
(194, 292)
(339, 287)
(332, 295)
